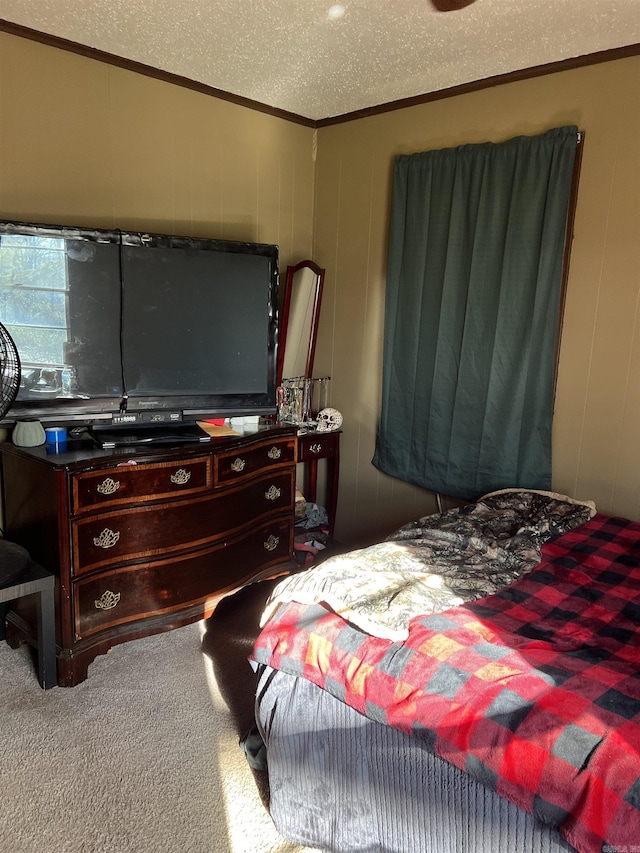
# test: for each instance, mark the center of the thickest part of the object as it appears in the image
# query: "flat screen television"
(119, 327)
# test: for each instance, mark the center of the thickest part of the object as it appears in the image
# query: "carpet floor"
(143, 756)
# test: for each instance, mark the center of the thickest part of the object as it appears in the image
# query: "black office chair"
(19, 576)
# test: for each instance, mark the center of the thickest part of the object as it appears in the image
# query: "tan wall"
(85, 143)
(82, 142)
(597, 421)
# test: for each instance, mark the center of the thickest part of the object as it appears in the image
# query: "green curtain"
(474, 281)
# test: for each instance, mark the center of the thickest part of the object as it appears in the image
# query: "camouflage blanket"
(437, 562)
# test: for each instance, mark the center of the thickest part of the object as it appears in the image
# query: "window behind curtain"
(474, 287)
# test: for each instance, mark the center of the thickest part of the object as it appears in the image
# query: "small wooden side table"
(313, 446)
(33, 579)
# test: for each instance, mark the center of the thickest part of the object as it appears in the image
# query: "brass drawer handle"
(181, 477)
(275, 452)
(271, 543)
(107, 539)
(107, 600)
(315, 448)
(272, 493)
(238, 465)
(108, 486)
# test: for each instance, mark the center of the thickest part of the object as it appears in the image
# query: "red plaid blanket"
(533, 691)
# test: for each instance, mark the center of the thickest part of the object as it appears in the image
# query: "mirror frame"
(289, 289)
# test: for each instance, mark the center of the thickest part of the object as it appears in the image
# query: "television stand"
(146, 538)
(125, 436)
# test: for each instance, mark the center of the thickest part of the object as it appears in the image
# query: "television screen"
(214, 336)
(108, 322)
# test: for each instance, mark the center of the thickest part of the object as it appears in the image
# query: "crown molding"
(428, 97)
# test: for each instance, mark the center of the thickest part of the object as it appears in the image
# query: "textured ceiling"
(296, 56)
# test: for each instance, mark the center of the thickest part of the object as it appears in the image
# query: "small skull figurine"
(329, 420)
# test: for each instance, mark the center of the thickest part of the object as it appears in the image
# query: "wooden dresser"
(145, 540)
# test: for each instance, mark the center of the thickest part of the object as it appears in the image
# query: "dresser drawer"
(127, 594)
(238, 465)
(144, 531)
(129, 483)
(318, 445)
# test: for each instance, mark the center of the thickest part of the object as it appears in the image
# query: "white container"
(28, 433)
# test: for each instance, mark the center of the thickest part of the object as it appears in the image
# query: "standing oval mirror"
(300, 317)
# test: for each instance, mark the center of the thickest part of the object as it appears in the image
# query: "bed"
(472, 683)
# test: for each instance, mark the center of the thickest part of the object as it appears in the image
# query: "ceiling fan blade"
(450, 5)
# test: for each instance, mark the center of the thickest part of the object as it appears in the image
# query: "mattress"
(344, 783)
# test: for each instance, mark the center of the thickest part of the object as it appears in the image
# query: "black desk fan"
(9, 371)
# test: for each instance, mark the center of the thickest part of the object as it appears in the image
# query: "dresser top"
(85, 451)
